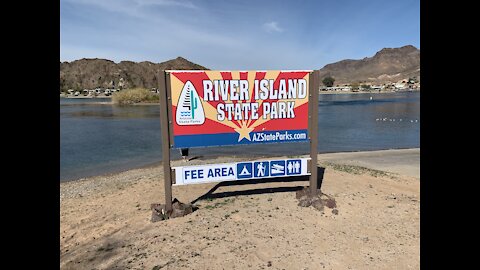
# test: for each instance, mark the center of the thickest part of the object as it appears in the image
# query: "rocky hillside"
(93, 73)
(387, 65)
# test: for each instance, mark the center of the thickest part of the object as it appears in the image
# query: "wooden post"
(313, 129)
(165, 126)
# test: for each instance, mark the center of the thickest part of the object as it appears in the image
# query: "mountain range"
(387, 65)
(103, 73)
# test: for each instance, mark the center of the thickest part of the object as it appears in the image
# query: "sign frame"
(166, 119)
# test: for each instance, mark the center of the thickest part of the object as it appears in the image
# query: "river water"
(98, 138)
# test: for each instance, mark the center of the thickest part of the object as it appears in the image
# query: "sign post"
(202, 108)
(165, 127)
(313, 128)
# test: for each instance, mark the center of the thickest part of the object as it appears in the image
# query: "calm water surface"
(100, 138)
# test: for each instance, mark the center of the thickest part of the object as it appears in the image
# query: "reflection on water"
(97, 137)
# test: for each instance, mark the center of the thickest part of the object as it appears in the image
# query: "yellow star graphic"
(244, 131)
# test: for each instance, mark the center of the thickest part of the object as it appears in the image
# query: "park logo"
(189, 107)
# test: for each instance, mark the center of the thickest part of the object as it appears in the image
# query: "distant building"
(400, 86)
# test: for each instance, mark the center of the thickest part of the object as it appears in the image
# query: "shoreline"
(319, 92)
(363, 92)
(85, 97)
(201, 161)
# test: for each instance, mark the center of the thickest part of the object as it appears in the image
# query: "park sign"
(214, 108)
(244, 170)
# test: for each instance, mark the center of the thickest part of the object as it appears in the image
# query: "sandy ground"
(105, 220)
(402, 161)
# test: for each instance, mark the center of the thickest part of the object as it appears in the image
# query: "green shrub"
(135, 95)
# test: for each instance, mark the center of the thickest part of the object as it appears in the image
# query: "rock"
(304, 203)
(318, 200)
(318, 205)
(330, 202)
(179, 209)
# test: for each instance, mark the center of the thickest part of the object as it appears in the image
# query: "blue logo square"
(261, 169)
(277, 167)
(244, 170)
(294, 166)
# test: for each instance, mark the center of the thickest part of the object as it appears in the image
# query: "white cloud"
(118, 6)
(132, 7)
(180, 3)
(271, 27)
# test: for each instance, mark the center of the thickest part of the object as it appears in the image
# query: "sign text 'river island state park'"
(213, 108)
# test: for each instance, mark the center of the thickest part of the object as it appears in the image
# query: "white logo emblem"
(189, 108)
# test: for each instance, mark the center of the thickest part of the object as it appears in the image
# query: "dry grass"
(353, 169)
(135, 95)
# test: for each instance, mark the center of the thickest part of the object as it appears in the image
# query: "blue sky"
(236, 35)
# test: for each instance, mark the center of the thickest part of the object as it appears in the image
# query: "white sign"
(190, 108)
(185, 175)
(205, 173)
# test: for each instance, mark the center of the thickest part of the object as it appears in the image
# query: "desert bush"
(135, 95)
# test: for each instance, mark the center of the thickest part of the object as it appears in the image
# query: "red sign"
(212, 108)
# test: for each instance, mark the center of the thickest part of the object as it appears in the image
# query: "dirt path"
(105, 223)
